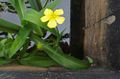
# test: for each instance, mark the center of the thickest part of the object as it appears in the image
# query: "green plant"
(45, 52)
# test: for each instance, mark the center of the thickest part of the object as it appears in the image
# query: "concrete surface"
(64, 74)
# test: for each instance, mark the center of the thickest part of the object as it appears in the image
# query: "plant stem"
(38, 2)
(45, 3)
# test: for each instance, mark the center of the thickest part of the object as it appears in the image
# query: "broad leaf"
(38, 61)
(61, 58)
(20, 40)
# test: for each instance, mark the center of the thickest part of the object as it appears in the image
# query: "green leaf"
(20, 40)
(6, 47)
(36, 4)
(53, 4)
(19, 5)
(4, 61)
(12, 2)
(24, 48)
(34, 17)
(38, 61)
(90, 59)
(8, 27)
(2, 47)
(61, 58)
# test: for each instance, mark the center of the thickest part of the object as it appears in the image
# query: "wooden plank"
(77, 23)
(113, 35)
(95, 34)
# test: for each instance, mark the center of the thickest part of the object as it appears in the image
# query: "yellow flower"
(40, 46)
(53, 17)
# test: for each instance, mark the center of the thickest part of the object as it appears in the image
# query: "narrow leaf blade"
(8, 26)
(38, 61)
(19, 5)
(36, 4)
(4, 61)
(53, 4)
(60, 57)
(20, 40)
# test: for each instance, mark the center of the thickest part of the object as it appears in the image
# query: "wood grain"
(95, 34)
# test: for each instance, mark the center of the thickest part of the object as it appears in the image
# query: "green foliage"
(57, 55)
(35, 19)
(16, 47)
(8, 27)
(5, 61)
(4, 47)
(19, 6)
(36, 4)
(20, 40)
(38, 61)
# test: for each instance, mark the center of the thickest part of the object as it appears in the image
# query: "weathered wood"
(77, 23)
(113, 35)
(95, 34)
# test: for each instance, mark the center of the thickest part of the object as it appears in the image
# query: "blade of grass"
(53, 4)
(8, 27)
(4, 61)
(46, 2)
(32, 16)
(36, 4)
(20, 40)
(38, 61)
(19, 5)
(12, 2)
(60, 57)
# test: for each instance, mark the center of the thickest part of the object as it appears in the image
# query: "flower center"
(53, 16)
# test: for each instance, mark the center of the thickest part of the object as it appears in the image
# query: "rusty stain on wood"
(21, 68)
(94, 43)
(15, 67)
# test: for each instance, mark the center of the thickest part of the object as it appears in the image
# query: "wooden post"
(113, 35)
(95, 34)
(77, 23)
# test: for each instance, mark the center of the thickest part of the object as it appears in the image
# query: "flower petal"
(48, 12)
(44, 18)
(60, 20)
(59, 12)
(39, 46)
(52, 24)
